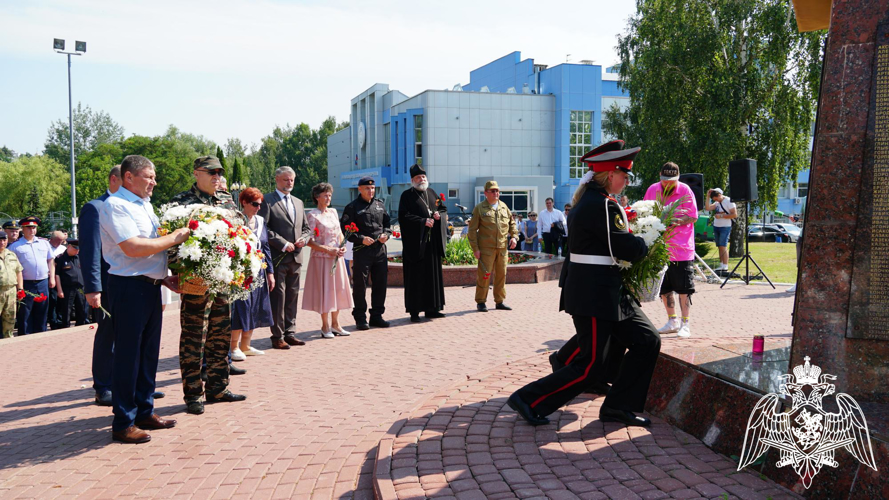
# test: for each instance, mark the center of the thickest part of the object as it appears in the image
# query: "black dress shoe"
(434, 314)
(104, 399)
(482, 307)
(362, 326)
(555, 363)
(607, 414)
(503, 307)
(525, 411)
(234, 370)
(379, 322)
(415, 318)
(194, 407)
(598, 388)
(158, 395)
(226, 397)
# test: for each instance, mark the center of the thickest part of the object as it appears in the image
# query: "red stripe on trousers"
(575, 381)
(575, 353)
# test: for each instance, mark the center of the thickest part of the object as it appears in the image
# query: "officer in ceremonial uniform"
(602, 310)
(69, 286)
(203, 315)
(369, 253)
(12, 230)
(10, 283)
(492, 232)
(35, 255)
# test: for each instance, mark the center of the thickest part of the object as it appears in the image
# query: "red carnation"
(248, 282)
(229, 224)
(442, 196)
(40, 298)
(487, 275)
(317, 233)
(20, 295)
(192, 224)
(231, 253)
(249, 249)
(631, 214)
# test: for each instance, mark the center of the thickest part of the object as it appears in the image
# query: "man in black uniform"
(69, 286)
(592, 293)
(369, 253)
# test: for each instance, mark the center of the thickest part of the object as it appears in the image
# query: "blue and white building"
(523, 124)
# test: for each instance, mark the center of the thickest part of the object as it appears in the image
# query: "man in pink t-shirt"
(680, 274)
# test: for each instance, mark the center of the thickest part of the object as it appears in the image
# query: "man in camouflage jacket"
(202, 314)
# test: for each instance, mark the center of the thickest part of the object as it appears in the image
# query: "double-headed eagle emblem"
(807, 436)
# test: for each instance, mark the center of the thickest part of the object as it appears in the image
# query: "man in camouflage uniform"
(10, 283)
(202, 315)
(491, 231)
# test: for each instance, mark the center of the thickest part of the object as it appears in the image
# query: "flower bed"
(524, 267)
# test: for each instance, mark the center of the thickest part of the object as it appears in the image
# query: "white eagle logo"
(806, 435)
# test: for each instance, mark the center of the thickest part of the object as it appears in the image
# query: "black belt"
(146, 279)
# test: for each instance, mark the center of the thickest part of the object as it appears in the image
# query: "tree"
(91, 128)
(221, 156)
(7, 154)
(33, 185)
(711, 82)
(236, 172)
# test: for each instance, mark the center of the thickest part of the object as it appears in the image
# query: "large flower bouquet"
(222, 254)
(653, 222)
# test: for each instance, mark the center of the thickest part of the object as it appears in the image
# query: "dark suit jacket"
(282, 228)
(93, 266)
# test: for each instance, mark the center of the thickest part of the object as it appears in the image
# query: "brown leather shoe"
(154, 422)
(290, 339)
(279, 344)
(131, 435)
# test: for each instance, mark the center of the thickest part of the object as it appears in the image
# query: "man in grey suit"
(288, 234)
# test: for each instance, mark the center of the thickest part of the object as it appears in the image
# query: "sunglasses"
(256, 204)
(210, 172)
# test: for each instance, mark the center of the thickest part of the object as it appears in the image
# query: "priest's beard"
(420, 186)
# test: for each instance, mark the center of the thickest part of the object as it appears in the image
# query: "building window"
(388, 147)
(418, 138)
(517, 201)
(802, 190)
(453, 193)
(581, 137)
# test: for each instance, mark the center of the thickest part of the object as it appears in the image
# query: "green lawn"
(778, 260)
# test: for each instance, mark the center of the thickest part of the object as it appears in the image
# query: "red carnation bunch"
(442, 196)
(20, 295)
(248, 282)
(631, 214)
(40, 298)
(192, 224)
(352, 228)
(396, 234)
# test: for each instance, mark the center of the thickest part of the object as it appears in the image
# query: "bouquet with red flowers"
(21, 295)
(350, 230)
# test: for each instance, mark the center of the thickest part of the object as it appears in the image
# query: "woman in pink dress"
(326, 292)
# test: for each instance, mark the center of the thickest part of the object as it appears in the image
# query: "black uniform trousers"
(377, 268)
(103, 346)
(136, 317)
(630, 387)
(74, 303)
(614, 355)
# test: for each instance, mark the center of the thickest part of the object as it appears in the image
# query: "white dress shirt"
(124, 216)
(545, 220)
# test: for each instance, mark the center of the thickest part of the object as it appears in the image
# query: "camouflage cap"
(208, 163)
(491, 185)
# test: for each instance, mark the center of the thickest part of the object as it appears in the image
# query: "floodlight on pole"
(79, 49)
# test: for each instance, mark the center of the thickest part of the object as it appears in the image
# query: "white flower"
(223, 273)
(624, 264)
(191, 250)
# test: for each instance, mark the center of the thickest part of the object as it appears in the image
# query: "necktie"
(289, 205)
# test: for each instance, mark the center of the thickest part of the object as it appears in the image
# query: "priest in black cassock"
(424, 224)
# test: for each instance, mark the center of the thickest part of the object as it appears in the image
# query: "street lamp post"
(79, 49)
(236, 191)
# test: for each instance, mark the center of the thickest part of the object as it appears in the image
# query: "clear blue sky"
(232, 68)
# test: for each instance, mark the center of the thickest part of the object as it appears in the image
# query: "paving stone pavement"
(314, 414)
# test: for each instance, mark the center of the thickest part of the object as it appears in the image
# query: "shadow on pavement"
(53, 442)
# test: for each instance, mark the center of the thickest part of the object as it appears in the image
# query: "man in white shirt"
(545, 221)
(722, 223)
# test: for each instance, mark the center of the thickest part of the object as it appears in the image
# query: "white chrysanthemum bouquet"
(222, 255)
(651, 221)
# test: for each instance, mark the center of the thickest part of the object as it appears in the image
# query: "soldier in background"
(10, 283)
(69, 286)
(491, 232)
(12, 230)
(205, 315)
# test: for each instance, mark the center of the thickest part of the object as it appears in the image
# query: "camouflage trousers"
(8, 305)
(206, 333)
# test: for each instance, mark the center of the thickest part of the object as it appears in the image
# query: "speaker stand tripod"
(747, 258)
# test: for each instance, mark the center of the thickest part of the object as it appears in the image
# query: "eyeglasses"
(210, 172)
(256, 204)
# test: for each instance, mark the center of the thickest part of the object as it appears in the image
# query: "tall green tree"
(34, 185)
(221, 156)
(236, 172)
(7, 154)
(91, 128)
(714, 81)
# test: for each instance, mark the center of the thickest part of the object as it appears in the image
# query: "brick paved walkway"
(464, 443)
(314, 414)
